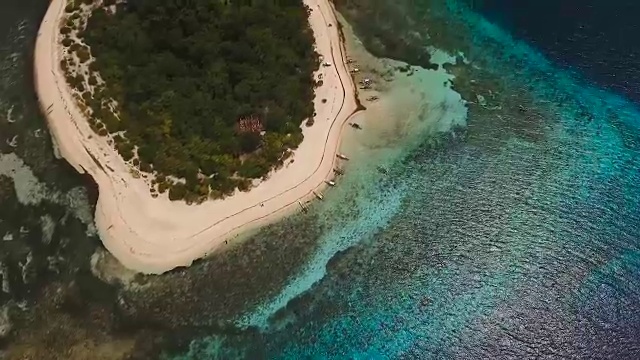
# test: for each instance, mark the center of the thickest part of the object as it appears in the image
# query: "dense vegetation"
(183, 73)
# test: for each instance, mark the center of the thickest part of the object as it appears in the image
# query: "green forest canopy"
(185, 71)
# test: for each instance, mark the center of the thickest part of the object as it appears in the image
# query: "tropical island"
(203, 96)
(143, 228)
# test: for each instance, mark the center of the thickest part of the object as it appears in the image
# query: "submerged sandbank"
(410, 103)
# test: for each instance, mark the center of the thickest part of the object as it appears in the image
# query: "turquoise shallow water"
(520, 239)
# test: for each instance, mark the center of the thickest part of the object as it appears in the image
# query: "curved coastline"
(154, 235)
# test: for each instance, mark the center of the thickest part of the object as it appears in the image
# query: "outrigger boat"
(355, 126)
(304, 208)
(342, 156)
(338, 171)
(330, 182)
(318, 195)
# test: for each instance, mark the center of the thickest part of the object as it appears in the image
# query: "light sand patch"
(402, 106)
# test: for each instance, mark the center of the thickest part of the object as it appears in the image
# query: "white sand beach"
(154, 235)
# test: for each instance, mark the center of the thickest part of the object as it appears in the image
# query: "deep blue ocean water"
(511, 247)
(594, 38)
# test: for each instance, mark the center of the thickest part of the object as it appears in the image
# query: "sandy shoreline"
(154, 235)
